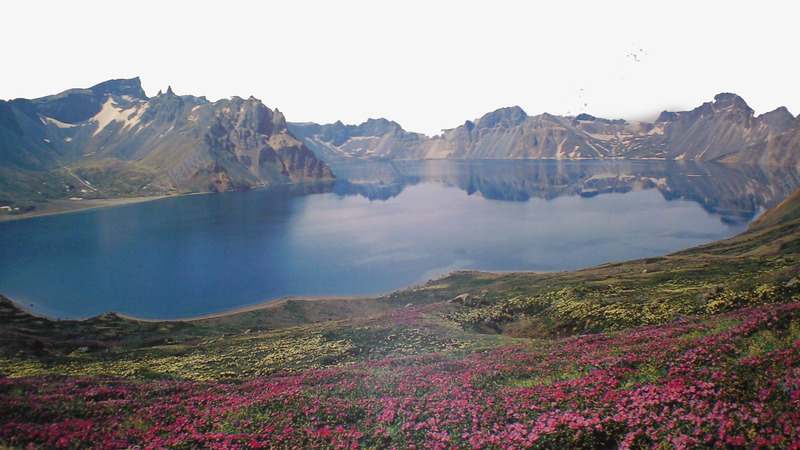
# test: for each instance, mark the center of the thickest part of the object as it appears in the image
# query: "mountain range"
(724, 130)
(111, 140)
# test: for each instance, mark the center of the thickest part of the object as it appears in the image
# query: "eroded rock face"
(252, 139)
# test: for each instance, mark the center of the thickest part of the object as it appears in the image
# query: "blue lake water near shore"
(381, 227)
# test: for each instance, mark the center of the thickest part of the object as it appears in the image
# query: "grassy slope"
(786, 211)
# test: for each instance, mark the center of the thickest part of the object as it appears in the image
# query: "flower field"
(729, 380)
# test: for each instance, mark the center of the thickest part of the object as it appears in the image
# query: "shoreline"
(55, 207)
(64, 206)
(263, 305)
(266, 304)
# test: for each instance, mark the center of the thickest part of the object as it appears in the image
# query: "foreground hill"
(731, 380)
(699, 348)
(111, 140)
(723, 130)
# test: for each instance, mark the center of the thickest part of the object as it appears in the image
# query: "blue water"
(194, 255)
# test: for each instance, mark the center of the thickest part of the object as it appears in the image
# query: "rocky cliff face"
(250, 142)
(723, 130)
(111, 140)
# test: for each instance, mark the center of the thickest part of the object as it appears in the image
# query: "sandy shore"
(68, 206)
(267, 304)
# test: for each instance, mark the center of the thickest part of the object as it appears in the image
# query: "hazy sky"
(428, 64)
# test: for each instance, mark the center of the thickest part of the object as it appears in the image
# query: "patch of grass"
(769, 340)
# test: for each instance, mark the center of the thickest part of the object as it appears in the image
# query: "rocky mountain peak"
(77, 105)
(667, 116)
(131, 87)
(378, 127)
(549, 118)
(780, 119)
(504, 117)
(249, 114)
(278, 120)
(727, 100)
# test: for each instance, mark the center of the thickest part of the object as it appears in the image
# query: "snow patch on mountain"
(112, 112)
(57, 123)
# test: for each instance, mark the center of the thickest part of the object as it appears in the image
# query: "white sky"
(428, 64)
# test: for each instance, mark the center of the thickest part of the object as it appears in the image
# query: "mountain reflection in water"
(736, 193)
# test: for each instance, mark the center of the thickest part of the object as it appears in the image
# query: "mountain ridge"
(725, 129)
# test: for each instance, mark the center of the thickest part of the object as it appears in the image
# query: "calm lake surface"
(381, 227)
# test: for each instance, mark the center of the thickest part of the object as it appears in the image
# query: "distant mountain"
(723, 130)
(112, 140)
(375, 138)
